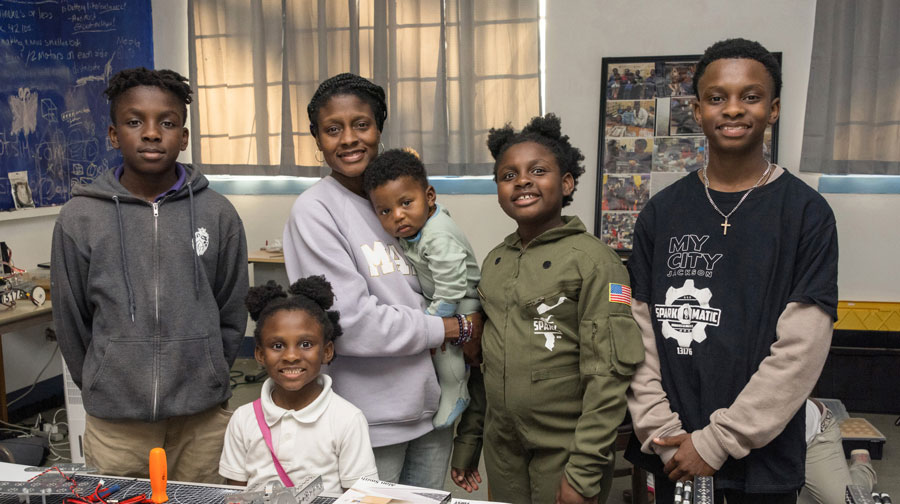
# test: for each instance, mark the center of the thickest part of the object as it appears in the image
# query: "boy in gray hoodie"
(149, 274)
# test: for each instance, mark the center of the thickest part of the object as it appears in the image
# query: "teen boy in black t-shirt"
(734, 274)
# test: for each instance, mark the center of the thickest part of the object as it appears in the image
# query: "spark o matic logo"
(545, 327)
(686, 314)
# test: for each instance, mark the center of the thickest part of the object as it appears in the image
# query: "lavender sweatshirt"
(383, 364)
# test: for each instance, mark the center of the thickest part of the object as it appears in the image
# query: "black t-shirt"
(715, 301)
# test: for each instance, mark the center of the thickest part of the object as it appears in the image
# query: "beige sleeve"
(775, 392)
(651, 414)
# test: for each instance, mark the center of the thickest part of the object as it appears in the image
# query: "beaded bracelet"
(465, 330)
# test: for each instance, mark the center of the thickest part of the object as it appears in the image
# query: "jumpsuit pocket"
(561, 302)
(557, 372)
(552, 340)
(627, 346)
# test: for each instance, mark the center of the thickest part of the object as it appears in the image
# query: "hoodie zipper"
(156, 295)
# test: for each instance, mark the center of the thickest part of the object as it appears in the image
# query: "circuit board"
(57, 488)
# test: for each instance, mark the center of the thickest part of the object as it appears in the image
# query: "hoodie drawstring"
(131, 304)
(194, 244)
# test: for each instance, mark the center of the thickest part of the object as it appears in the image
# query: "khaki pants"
(193, 445)
(827, 474)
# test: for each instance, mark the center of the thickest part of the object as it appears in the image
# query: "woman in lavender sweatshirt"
(384, 365)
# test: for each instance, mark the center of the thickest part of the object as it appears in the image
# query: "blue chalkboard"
(56, 58)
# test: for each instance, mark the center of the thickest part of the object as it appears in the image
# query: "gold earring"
(317, 156)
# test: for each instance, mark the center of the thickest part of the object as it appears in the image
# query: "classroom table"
(23, 315)
(265, 266)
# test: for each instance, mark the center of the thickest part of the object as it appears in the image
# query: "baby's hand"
(467, 479)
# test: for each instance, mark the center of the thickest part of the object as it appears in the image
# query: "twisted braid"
(168, 80)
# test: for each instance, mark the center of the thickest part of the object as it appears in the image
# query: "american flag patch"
(619, 293)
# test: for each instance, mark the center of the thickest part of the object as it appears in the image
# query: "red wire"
(90, 499)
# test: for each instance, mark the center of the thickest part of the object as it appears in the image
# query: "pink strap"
(267, 435)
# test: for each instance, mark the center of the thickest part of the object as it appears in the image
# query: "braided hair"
(738, 48)
(347, 84)
(312, 295)
(167, 80)
(545, 131)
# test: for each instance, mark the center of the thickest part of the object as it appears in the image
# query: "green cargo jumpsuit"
(560, 347)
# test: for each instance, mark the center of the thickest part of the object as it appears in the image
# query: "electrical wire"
(17, 399)
(56, 455)
(57, 412)
(16, 427)
(235, 376)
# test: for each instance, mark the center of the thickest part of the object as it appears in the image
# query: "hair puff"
(498, 138)
(546, 131)
(258, 298)
(316, 288)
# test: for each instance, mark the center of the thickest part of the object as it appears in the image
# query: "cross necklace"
(725, 225)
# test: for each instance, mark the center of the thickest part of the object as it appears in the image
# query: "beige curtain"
(452, 69)
(853, 105)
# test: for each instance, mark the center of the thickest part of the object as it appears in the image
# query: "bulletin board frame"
(647, 138)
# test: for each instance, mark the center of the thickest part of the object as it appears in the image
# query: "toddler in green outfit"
(445, 264)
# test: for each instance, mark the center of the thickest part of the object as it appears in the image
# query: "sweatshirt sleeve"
(314, 245)
(231, 287)
(72, 315)
(447, 262)
(775, 392)
(651, 413)
(611, 349)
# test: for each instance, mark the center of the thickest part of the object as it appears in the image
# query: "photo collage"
(649, 138)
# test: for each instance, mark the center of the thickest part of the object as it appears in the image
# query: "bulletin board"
(648, 138)
(57, 58)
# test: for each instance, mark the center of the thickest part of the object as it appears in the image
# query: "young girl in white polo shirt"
(298, 426)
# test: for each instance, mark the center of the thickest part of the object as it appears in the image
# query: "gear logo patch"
(686, 314)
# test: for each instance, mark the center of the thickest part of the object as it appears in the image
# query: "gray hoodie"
(148, 298)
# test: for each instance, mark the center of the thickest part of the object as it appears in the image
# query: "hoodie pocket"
(121, 386)
(193, 373)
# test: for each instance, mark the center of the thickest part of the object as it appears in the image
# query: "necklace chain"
(726, 225)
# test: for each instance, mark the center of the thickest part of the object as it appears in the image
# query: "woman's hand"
(472, 349)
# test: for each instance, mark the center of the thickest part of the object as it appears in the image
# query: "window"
(852, 121)
(452, 69)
